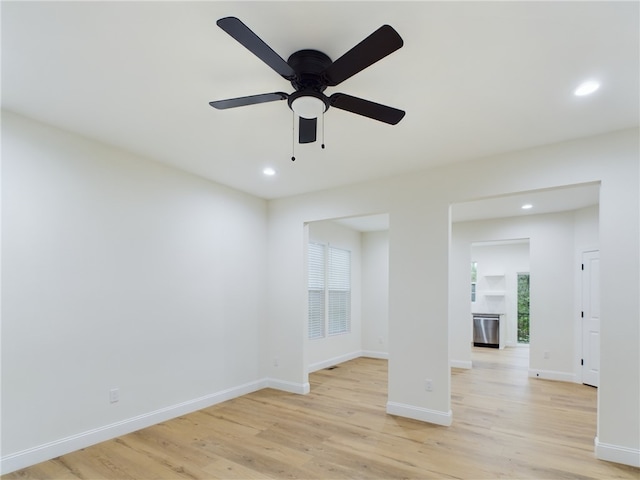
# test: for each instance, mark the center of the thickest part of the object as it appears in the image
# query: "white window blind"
(316, 266)
(339, 318)
(329, 286)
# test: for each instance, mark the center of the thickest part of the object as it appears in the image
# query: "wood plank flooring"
(505, 426)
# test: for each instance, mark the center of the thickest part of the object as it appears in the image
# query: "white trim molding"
(617, 454)
(291, 387)
(420, 413)
(374, 354)
(314, 367)
(553, 375)
(47, 451)
(466, 364)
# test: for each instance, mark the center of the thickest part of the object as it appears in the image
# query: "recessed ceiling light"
(269, 172)
(586, 88)
(527, 206)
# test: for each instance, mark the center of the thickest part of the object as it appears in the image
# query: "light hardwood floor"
(506, 425)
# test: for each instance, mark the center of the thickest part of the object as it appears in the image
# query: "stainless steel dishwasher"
(486, 330)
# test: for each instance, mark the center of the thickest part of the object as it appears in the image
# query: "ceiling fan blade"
(366, 108)
(307, 130)
(250, 100)
(243, 34)
(376, 46)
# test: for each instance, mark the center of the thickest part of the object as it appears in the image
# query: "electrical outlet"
(428, 385)
(114, 395)
(276, 362)
(380, 341)
(546, 355)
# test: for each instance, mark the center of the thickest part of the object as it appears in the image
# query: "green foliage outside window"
(523, 308)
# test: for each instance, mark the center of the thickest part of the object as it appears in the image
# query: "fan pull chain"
(322, 130)
(293, 136)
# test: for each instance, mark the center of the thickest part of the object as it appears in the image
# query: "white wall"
(119, 273)
(327, 351)
(375, 294)
(419, 239)
(586, 229)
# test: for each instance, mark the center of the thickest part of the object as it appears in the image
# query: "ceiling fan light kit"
(311, 72)
(308, 104)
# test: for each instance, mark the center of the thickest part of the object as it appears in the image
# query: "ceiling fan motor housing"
(308, 82)
(309, 66)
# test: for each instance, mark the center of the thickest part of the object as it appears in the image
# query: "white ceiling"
(475, 78)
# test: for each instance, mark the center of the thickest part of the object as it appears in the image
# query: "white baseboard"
(617, 454)
(286, 386)
(314, 367)
(419, 413)
(47, 451)
(374, 354)
(466, 364)
(552, 375)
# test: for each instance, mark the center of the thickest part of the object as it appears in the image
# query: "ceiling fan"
(311, 72)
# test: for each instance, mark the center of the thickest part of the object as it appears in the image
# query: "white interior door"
(591, 318)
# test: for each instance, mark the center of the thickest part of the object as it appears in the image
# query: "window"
(339, 291)
(329, 286)
(474, 280)
(316, 290)
(523, 308)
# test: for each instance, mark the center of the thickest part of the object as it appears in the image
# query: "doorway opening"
(347, 280)
(523, 308)
(498, 266)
